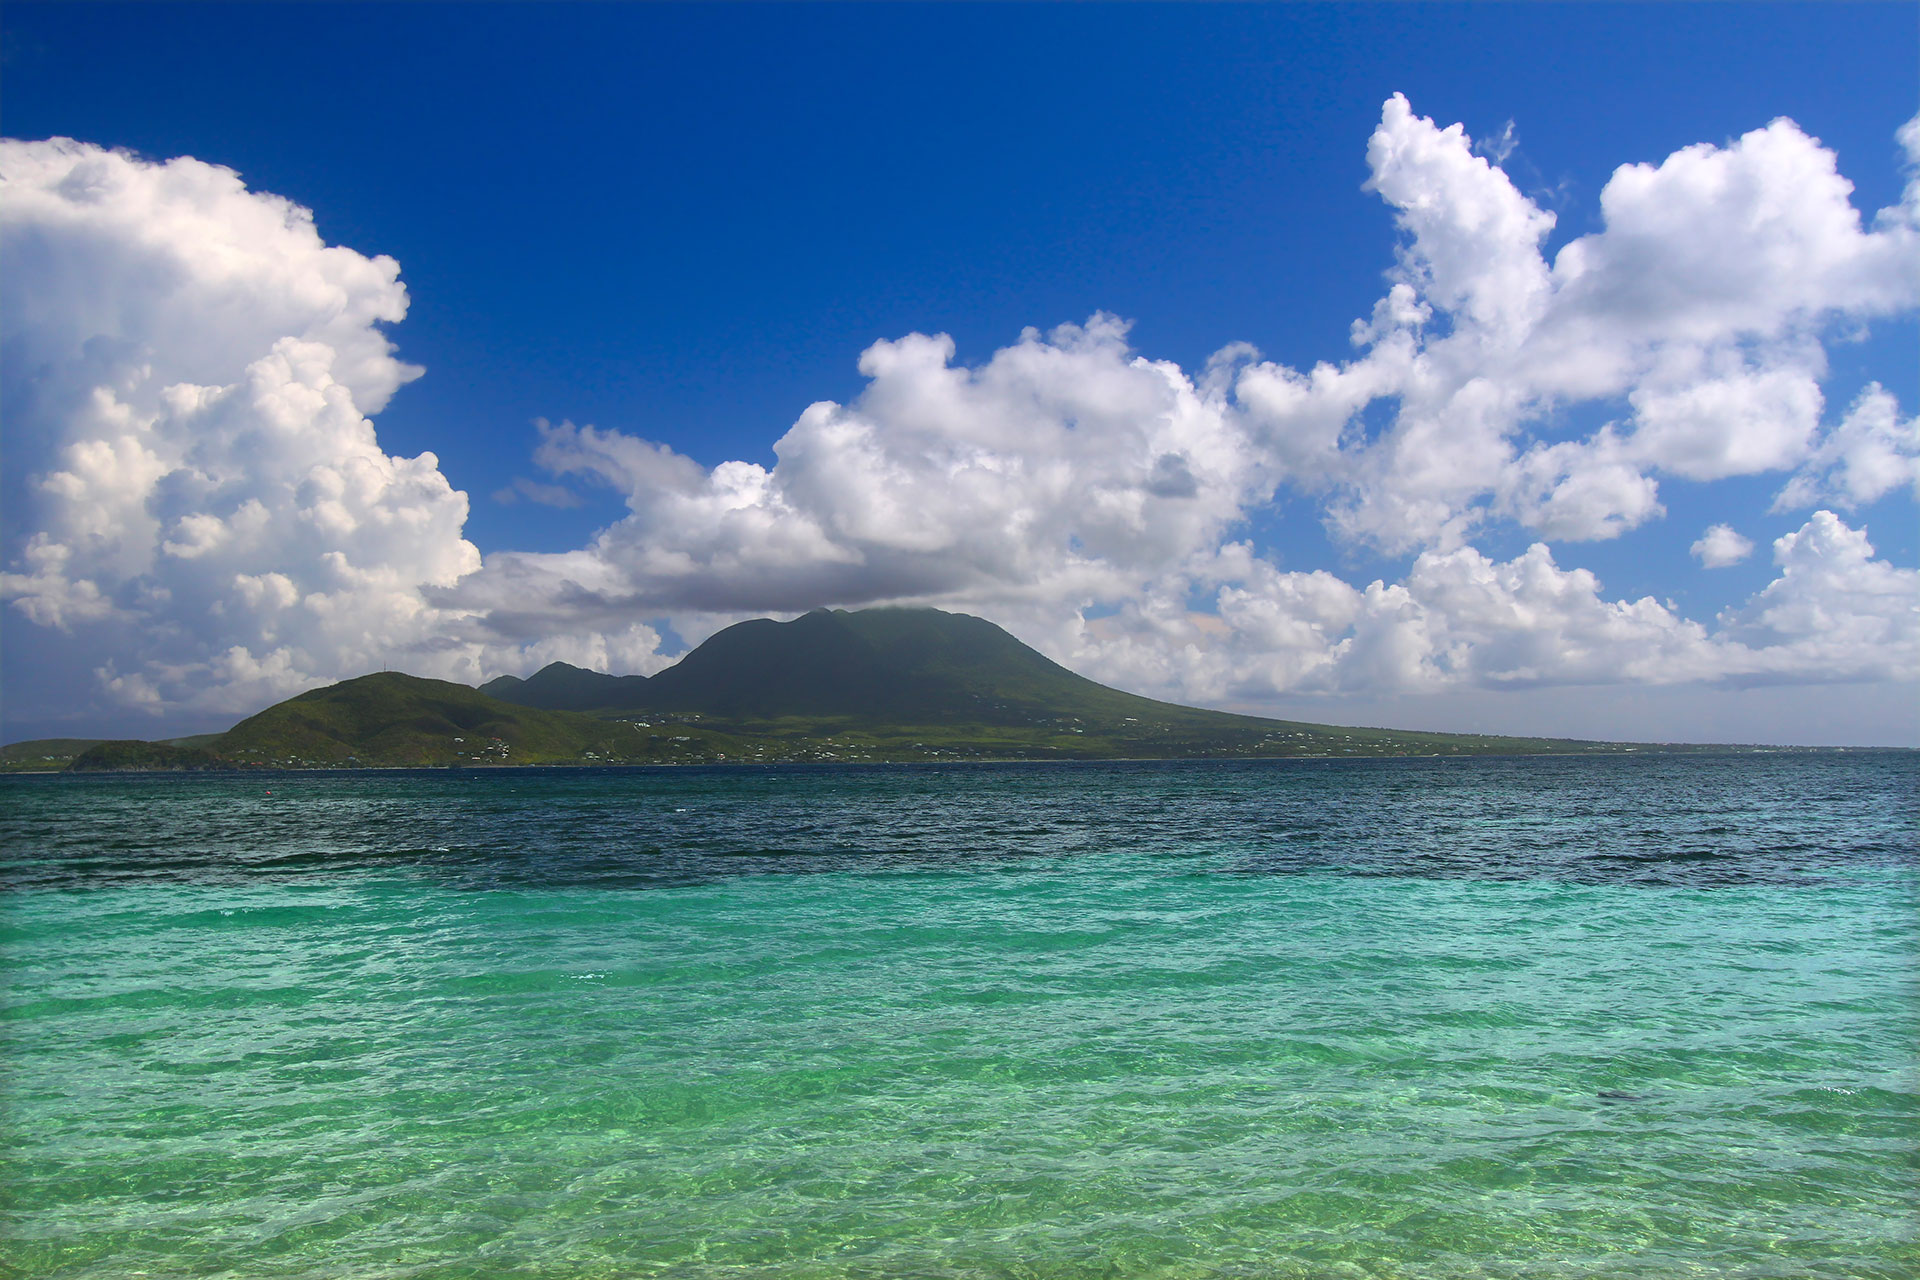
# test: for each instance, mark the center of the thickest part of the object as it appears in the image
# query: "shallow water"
(1641, 1017)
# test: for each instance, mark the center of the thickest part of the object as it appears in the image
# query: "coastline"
(1623, 752)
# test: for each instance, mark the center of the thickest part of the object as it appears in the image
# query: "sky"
(1534, 368)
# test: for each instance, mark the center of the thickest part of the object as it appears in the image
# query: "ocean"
(1648, 1016)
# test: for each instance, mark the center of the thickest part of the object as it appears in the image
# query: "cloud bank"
(202, 517)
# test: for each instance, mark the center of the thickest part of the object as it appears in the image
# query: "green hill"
(392, 719)
(50, 755)
(130, 755)
(42, 755)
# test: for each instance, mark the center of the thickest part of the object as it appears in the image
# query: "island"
(885, 685)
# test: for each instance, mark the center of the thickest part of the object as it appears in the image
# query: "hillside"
(42, 755)
(391, 720)
(394, 719)
(51, 755)
(130, 755)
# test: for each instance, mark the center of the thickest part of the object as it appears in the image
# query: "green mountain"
(915, 684)
(874, 685)
(904, 666)
(561, 687)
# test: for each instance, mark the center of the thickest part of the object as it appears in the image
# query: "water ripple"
(1530, 1020)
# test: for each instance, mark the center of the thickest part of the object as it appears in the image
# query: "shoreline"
(1659, 750)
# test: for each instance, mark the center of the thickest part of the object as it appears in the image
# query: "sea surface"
(1651, 1016)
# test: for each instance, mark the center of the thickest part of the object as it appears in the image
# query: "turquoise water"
(1648, 1017)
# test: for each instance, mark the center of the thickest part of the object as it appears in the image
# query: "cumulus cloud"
(188, 370)
(1696, 313)
(1871, 453)
(1460, 619)
(1721, 546)
(203, 515)
(1066, 468)
(1834, 607)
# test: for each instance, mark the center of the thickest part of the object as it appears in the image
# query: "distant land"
(833, 686)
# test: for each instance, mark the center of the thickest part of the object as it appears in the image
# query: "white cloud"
(1460, 620)
(1696, 311)
(1711, 427)
(211, 521)
(1475, 247)
(119, 263)
(1721, 546)
(188, 370)
(1066, 469)
(547, 495)
(1752, 239)
(1834, 609)
(1499, 147)
(1579, 490)
(1871, 453)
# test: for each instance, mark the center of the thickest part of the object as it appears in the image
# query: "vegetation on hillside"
(391, 719)
(128, 755)
(42, 755)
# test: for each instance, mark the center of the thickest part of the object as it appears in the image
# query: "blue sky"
(685, 225)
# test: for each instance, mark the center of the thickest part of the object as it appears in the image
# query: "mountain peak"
(910, 665)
